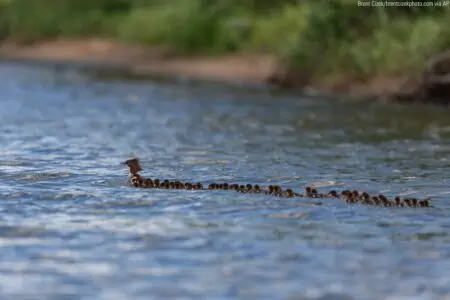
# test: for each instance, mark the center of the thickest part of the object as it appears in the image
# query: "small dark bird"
(157, 183)
(289, 193)
(333, 194)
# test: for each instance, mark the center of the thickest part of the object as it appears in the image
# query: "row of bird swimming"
(276, 190)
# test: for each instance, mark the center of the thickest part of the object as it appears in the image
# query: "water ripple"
(71, 229)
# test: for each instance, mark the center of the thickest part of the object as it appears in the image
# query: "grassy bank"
(329, 40)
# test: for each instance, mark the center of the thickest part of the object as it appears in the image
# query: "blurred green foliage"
(327, 37)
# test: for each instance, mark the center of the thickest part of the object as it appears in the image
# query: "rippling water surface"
(71, 229)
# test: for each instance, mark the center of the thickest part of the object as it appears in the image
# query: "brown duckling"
(368, 201)
(249, 187)
(424, 203)
(270, 190)
(345, 193)
(198, 186)
(308, 191)
(408, 202)
(257, 188)
(157, 183)
(211, 186)
(414, 202)
(376, 200)
(333, 194)
(398, 201)
(149, 183)
(385, 201)
(365, 196)
(188, 186)
(277, 190)
(289, 193)
(225, 186)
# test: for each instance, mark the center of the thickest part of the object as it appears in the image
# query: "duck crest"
(351, 197)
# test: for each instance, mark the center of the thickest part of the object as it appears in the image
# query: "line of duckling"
(354, 196)
(276, 190)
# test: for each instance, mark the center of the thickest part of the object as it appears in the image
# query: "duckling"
(368, 201)
(226, 186)
(188, 186)
(407, 202)
(345, 194)
(414, 202)
(270, 190)
(198, 186)
(149, 183)
(355, 195)
(172, 185)
(424, 203)
(333, 194)
(249, 187)
(315, 194)
(351, 198)
(398, 201)
(157, 183)
(385, 201)
(365, 196)
(308, 191)
(289, 193)
(376, 200)
(277, 191)
(257, 188)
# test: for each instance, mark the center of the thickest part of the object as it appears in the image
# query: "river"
(70, 228)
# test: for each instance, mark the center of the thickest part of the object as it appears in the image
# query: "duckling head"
(290, 193)
(134, 165)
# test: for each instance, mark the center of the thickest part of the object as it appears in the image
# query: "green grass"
(330, 39)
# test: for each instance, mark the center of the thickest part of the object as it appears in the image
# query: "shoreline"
(158, 62)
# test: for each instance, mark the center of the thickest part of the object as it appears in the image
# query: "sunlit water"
(71, 229)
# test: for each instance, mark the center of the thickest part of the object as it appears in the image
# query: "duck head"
(134, 165)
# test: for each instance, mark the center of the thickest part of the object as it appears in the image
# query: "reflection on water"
(71, 229)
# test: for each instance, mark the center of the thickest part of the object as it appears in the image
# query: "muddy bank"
(160, 62)
(142, 61)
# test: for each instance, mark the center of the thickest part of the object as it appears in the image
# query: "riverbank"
(159, 62)
(338, 46)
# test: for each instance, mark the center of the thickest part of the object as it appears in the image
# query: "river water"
(70, 228)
